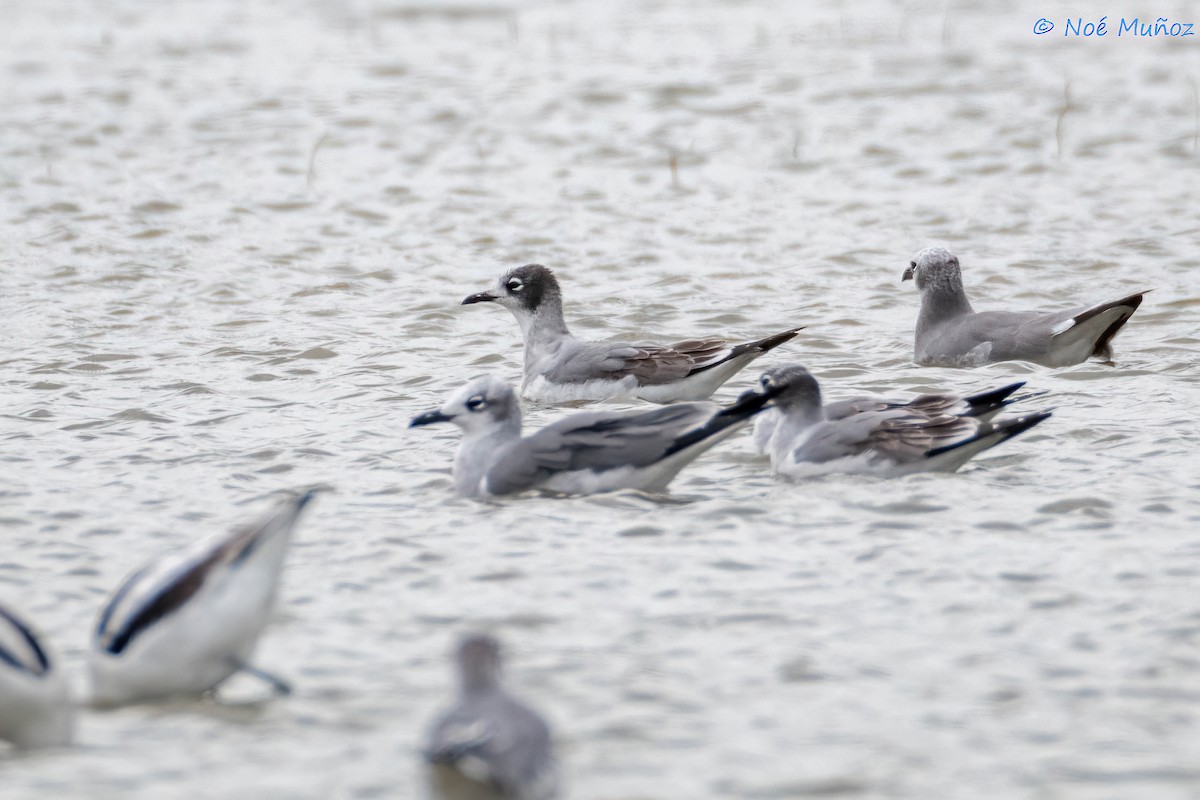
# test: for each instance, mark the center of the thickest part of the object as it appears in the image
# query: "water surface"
(235, 236)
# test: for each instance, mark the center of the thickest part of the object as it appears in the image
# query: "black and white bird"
(582, 453)
(807, 440)
(183, 624)
(36, 709)
(489, 738)
(951, 333)
(560, 368)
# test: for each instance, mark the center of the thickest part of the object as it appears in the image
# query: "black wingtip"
(1013, 427)
(749, 403)
(1103, 345)
(310, 494)
(771, 342)
(992, 399)
(1006, 428)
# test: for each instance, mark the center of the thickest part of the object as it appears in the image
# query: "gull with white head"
(582, 453)
(950, 333)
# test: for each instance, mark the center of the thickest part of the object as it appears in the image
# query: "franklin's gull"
(583, 453)
(491, 738)
(950, 333)
(561, 368)
(183, 624)
(983, 406)
(35, 702)
(888, 442)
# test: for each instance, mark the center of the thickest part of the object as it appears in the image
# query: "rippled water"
(234, 240)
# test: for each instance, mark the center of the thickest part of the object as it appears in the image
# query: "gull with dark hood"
(809, 438)
(560, 368)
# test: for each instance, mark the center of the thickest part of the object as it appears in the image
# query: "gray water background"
(234, 239)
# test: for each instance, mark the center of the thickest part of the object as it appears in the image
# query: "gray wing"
(978, 404)
(840, 409)
(897, 435)
(497, 740)
(597, 441)
(997, 336)
(650, 364)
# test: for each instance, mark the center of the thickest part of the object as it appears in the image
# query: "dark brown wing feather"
(911, 437)
(652, 364)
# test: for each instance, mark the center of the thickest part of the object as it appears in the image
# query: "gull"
(887, 442)
(950, 333)
(560, 368)
(35, 702)
(182, 625)
(582, 453)
(490, 738)
(983, 406)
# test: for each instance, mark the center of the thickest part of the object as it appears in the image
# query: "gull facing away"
(182, 625)
(490, 739)
(888, 442)
(35, 702)
(582, 453)
(951, 334)
(561, 368)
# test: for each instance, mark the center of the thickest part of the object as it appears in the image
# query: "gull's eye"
(514, 285)
(766, 381)
(477, 402)
(912, 264)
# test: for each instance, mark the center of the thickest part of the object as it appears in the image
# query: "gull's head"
(478, 659)
(793, 386)
(482, 403)
(522, 290)
(933, 266)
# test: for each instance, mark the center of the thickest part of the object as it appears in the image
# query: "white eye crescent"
(515, 285)
(475, 403)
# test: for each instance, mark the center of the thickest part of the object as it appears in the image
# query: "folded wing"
(595, 441)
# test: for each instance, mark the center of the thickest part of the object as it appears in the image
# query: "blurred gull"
(950, 333)
(582, 453)
(35, 702)
(182, 625)
(887, 442)
(490, 738)
(559, 367)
